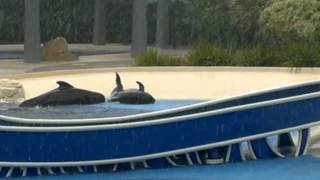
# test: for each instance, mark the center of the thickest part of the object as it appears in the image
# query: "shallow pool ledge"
(172, 82)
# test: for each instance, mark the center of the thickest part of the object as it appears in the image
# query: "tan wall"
(170, 82)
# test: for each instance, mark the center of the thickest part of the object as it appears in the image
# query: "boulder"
(56, 50)
(11, 90)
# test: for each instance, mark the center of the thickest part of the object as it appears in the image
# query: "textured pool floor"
(303, 168)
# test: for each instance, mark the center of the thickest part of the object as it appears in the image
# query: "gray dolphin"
(130, 96)
(65, 94)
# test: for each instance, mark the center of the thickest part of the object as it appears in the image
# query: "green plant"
(259, 55)
(301, 55)
(72, 19)
(285, 21)
(153, 58)
(291, 55)
(147, 58)
(244, 21)
(207, 54)
(229, 23)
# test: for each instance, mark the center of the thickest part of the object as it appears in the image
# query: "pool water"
(279, 169)
(89, 111)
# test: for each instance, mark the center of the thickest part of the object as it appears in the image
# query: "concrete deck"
(111, 55)
(112, 48)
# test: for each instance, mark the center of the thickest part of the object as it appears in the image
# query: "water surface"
(89, 111)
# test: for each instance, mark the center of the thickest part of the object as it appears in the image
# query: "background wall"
(173, 83)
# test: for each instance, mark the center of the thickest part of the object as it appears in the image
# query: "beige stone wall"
(173, 83)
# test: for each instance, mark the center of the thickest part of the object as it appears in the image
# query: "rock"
(57, 50)
(11, 90)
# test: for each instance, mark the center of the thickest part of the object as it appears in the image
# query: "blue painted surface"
(282, 169)
(137, 141)
(305, 135)
(261, 149)
(235, 153)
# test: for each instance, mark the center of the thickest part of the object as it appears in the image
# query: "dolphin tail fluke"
(118, 82)
(141, 86)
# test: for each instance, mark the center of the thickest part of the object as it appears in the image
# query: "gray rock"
(57, 50)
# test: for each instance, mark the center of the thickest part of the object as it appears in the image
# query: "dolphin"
(65, 94)
(130, 96)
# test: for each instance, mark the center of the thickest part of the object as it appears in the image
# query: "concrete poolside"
(17, 66)
(110, 55)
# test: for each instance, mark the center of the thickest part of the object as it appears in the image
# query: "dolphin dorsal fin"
(141, 86)
(118, 83)
(64, 85)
